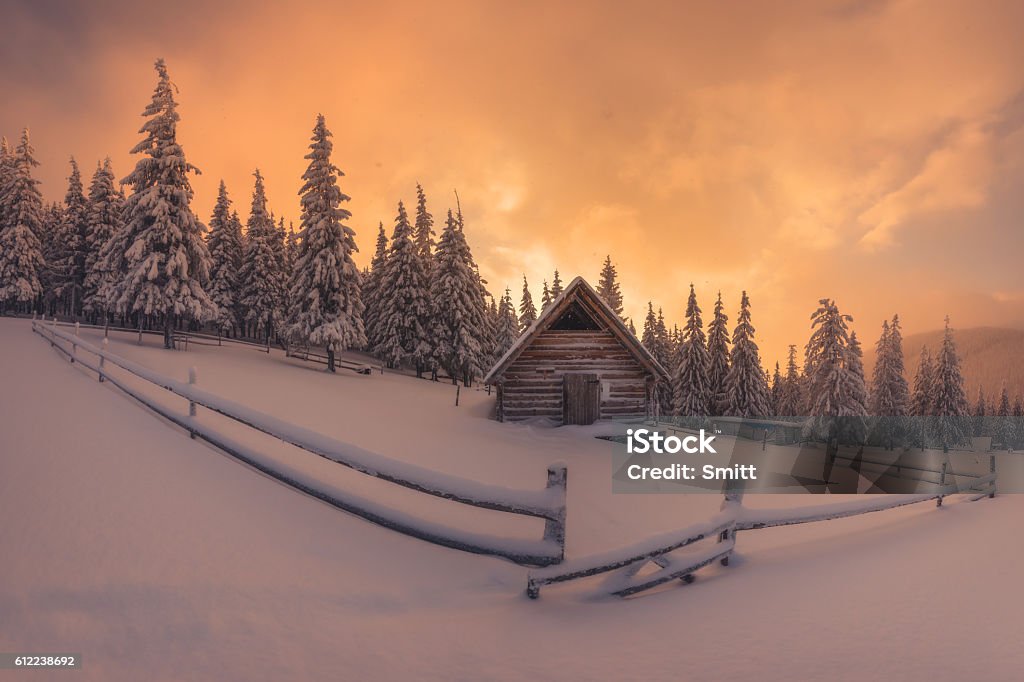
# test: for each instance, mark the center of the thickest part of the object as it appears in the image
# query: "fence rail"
(206, 339)
(625, 564)
(547, 504)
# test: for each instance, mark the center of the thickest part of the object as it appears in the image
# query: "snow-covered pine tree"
(68, 263)
(856, 427)
(980, 410)
(291, 252)
(21, 257)
(226, 256)
(167, 259)
(1018, 422)
(649, 339)
(791, 401)
(6, 177)
(545, 296)
(260, 273)
(951, 425)
(458, 317)
(899, 388)
(889, 390)
(745, 386)
(835, 391)
(923, 398)
(608, 286)
(778, 384)
(718, 358)
(423, 230)
(691, 393)
(104, 219)
(284, 270)
(556, 285)
(1003, 431)
(327, 307)
(527, 311)
(405, 308)
(508, 325)
(490, 337)
(372, 295)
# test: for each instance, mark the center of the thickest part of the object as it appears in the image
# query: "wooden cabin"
(576, 364)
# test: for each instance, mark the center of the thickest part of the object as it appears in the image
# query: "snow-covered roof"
(578, 289)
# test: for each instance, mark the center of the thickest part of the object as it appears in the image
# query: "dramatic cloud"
(866, 151)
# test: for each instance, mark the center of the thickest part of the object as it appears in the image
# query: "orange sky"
(868, 151)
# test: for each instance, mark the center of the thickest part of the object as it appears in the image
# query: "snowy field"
(156, 557)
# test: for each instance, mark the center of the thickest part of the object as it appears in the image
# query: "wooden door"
(581, 398)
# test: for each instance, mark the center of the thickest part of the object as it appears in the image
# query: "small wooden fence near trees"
(623, 566)
(547, 504)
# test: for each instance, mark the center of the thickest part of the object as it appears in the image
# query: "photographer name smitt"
(687, 472)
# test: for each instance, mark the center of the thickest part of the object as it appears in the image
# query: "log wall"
(532, 385)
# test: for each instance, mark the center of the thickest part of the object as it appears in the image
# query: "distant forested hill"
(990, 355)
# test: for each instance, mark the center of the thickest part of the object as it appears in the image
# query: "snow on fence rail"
(624, 564)
(547, 504)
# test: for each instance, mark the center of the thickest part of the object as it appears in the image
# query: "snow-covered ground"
(156, 557)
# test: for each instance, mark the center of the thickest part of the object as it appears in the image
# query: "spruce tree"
(922, 401)
(980, 409)
(545, 297)
(835, 385)
(104, 220)
(423, 232)
(69, 263)
(167, 259)
(858, 399)
(556, 285)
(791, 401)
(327, 307)
(777, 387)
(21, 257)
(1003, 431)
(691, 392)
(527, 311)
(718, 358)
(508, 325)
(608, 286)
(951, 424)
(6, 178)
(889, 390)
(746, 388)
(226, 257)
(405, 308)
(459, 315)
(372, 295)
(1018, 422)
(260, 273)
(650, 338)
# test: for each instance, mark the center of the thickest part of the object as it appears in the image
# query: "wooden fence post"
(191, 403)
(554, 529)
(458, 389)
(992, 470)
(942, 483)
(106, 343)
(733, 496)
(74, 346)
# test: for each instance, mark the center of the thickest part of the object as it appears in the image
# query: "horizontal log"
(572, 365)
(526, 414)
(573, 353)
(513, 403)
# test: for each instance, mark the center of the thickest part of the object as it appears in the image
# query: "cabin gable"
(577, 363)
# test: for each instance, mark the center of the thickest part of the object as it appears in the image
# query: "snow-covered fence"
(624, 564)
(547, 504)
